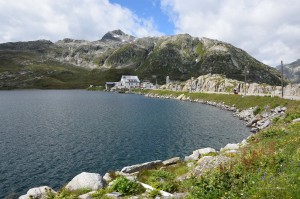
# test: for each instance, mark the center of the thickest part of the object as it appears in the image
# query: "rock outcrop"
(291, 71)
(215, 83)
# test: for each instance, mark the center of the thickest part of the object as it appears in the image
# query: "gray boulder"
(296, 120)
(254, 120)
(87, 195)
(171, 161)
(207, 163)
(230, 147)
(265, 124)
(194, 156)
(244, 142)
(198, 153)
(86, 180)
(205, 151)
(114, 195)
(107, 177)
(37, 193)
(246, 114)
(138, 167)
(254, 130)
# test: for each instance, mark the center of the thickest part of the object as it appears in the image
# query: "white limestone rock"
(180, 97)
(246, 114)
(194, 156)
(265, 124)
(37, 193)
(86, 180)
(107, 177)
(138, 167)
(244, 142)
(296, 120)
(230, 147)
(114, 194)
(171, 161)
(254, 130)
(87, 195)
(231, 151)
(205, 151)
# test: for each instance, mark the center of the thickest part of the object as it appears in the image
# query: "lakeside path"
(290, 97)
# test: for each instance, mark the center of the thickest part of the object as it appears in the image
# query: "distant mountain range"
(291, 71)
(71, 63)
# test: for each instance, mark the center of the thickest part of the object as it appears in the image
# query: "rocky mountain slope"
(71, 63)
(291, 71)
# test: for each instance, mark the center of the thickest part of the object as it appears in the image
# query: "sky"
(269, 30)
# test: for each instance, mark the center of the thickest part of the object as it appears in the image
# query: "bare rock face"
(117, 35)
(86, 180)
(291, 71)
(37, 193)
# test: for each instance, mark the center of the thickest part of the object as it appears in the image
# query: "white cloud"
(269, 30)
(80, 19)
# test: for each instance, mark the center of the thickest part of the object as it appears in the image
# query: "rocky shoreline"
(199, 162)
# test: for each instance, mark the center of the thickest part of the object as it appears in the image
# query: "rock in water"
(86, 180)
(37, 193)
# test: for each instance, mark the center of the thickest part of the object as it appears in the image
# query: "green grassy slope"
(268, 167)
(32, 70)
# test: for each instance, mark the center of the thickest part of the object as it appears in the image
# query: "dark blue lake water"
(49, 136)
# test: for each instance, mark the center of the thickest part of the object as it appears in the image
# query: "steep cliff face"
(179, 56)
(291, 71)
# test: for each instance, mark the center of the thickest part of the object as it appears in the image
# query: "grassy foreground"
(267, 167)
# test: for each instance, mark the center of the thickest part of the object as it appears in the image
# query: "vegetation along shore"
(264, 165)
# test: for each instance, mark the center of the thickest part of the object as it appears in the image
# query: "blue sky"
(267, 29)
(150, 9)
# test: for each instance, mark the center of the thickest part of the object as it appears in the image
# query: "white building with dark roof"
(129, 81)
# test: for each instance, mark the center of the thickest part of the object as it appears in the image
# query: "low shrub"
(154, 193)
(163, 180)
(272, 132)
(257, 111)
(100, 194)
(127, 187)
(66, 194)
(291, 116)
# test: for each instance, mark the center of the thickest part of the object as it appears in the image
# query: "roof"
(130, 78)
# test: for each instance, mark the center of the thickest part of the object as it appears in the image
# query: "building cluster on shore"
(128, 82)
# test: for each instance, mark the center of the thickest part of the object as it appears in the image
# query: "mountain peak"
(117, 35)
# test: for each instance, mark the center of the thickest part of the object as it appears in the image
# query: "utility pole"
(281, 78)
(245, 71)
